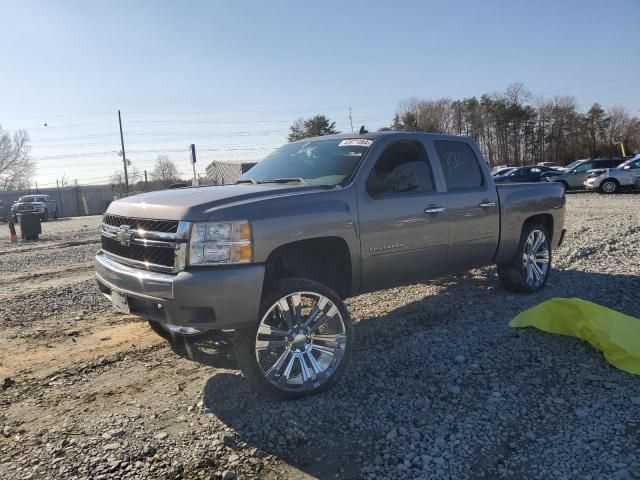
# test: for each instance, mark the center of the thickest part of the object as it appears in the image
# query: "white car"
(612, 180)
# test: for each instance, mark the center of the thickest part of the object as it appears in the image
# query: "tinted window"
(635, 165)
(402, 168)
(459, 164)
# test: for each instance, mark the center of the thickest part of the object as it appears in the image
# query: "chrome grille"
(145, 243)
(164, 226)
(149, 254)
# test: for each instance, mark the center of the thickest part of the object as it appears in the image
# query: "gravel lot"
(439, 386)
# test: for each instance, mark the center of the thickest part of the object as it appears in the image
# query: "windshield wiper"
(286, 180)
(252, 181)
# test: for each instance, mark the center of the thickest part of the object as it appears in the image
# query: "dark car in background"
(524, 174)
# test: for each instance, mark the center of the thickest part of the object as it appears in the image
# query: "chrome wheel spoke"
(316, 311)
(323, 318)
(296, 302)
(292, 361)
(270, 344)
(285, 313)
(304, 370)
(317, 370)
(277, 366)
(331, 340)
(269, 330)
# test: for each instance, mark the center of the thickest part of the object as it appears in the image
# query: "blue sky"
(231, 76)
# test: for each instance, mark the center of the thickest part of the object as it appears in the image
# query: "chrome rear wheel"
(529, 269)
(535, 258)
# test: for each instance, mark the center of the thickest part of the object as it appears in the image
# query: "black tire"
(55, 214)
(172, 337)
(245, 342)
(609, 186)
(45, 216)
(513, 274)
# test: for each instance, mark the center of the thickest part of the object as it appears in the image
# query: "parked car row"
(611, 180)
(604, 175)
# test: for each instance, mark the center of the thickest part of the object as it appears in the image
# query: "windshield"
(30, 199)
(317, 162)
(573, 164)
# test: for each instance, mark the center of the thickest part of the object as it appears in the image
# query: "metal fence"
(72, 201)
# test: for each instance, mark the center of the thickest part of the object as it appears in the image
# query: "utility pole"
(124, 157)
(350, 119)
(193, 163)
(146, 183)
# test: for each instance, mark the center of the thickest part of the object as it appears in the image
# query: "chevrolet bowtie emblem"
(124, 235)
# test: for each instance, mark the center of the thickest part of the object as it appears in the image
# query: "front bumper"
(591, 183)
(202, 298)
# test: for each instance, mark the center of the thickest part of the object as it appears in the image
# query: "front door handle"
(433, 209)
(487, 204)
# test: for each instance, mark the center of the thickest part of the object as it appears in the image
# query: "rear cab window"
(460, 165)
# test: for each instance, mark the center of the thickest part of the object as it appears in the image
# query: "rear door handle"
(433, 209)
(487, 204)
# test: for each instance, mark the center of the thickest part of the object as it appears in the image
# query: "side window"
(402, 168)
(460, 165)
(584, 167)
(635, 165)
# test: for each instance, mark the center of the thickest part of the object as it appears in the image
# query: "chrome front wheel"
(302, 342)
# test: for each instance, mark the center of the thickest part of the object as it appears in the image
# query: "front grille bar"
(146, 249)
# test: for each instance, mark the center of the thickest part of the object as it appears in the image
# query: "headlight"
(215, 243)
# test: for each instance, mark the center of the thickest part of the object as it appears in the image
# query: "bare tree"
(165, 170)
(117, 178)
(16, 167)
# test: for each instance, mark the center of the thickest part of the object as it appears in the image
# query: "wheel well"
(610, 178)
(544, 219)
(326, 260)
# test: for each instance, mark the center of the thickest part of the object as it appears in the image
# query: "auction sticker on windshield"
(360, 142)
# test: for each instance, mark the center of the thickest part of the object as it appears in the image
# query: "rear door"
(402, 217)
(472, 202)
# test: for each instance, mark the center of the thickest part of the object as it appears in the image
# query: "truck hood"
(197, 204)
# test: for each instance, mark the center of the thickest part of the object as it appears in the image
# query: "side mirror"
(627, 167)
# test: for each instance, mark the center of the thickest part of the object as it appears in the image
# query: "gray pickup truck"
(275, 255)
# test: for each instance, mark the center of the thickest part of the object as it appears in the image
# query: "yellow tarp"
(615, 334)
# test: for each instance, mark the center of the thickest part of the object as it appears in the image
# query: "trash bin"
(30, 226)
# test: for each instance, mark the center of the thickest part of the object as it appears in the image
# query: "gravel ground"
(439, 387)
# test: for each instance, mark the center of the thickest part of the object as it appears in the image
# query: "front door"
(403, 219)
(472, 202)
(578, 175)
